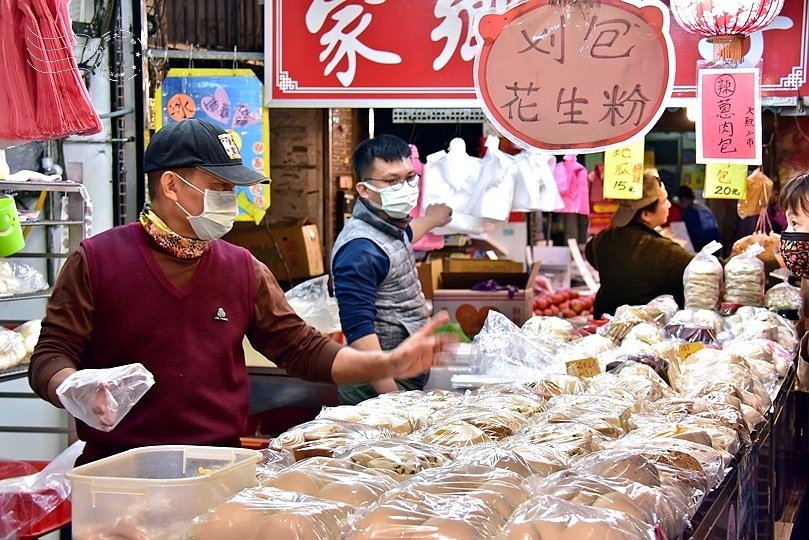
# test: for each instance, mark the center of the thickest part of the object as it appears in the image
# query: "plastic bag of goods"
(702, 279)
(333, 479)
(555, 518)
(784, 299)
(650, 505)
(745, 278)
(264, 512)
(312, 303)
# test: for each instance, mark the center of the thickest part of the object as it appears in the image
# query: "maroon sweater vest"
(190, 338)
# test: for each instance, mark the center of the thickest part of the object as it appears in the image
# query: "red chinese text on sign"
(729, 129)
(575, 79)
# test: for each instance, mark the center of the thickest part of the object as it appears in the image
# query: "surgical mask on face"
(219, 210)
(795, 251)
(397, 202)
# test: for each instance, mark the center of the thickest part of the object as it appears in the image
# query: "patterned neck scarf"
(171, 242)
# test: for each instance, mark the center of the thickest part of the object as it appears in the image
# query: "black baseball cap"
(201, 145)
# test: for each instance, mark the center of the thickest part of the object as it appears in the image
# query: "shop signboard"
(231, 99)
(420, 53)
(729, 125)
(574, 81)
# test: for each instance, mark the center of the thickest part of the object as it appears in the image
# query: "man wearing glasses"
(374, 271)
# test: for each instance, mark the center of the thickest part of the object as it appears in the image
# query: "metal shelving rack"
(66, 209)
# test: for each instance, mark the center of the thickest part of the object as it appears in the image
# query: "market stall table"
(751, 497)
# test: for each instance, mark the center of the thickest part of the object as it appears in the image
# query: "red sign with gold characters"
(729, 127)
(406, 53)
(572, 79)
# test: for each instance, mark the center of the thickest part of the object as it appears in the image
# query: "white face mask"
(397, 203)
(219, 210)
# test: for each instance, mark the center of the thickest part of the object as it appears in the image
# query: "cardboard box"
(555, 263)
(508, 238)
(429, 274)
(469, 308)
(482, 266)
(291, 251)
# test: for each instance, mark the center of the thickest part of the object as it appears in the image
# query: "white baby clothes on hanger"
(534, 186)
(450, 178)
(494, 192)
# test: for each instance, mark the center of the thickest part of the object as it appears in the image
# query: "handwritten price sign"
(725, 181)
(623, 170)
(729, 127)
(588, 367)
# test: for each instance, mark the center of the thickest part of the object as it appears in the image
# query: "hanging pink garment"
(574, 188)
(430, 241)
(47, 98)
(597, 184)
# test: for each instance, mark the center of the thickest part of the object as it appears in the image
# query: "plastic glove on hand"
(102, 397)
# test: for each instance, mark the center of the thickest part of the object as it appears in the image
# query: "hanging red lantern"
(725, 22)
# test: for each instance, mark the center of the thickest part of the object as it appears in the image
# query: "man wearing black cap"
(634, 261)
(168, 293)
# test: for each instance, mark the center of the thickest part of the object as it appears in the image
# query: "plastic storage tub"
(156, 491)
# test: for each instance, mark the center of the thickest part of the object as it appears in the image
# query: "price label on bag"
(587, 367)
(687, 349)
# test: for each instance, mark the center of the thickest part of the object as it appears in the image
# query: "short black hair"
(651, 207)
(795, 194)
(154, 179)
(687, 193)
(389, 148)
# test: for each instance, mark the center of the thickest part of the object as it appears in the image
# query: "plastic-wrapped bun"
(263, 512)
(785, 300)
(552, 518)
(745, 278)
(702, 279)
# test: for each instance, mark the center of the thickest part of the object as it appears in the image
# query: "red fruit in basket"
(568, 313)
(541, 303)
(558, 298)
(548, 312)
(564, 305)
(572, 294)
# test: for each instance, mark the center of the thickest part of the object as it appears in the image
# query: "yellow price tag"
(725, 181)
(586, 367)
(687, 349)
(623, 170)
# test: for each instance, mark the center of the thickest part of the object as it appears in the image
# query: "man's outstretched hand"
(424, 349)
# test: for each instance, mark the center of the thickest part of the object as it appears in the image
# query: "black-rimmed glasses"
(397, 183)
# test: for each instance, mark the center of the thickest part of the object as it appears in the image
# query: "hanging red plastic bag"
(26, 500)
